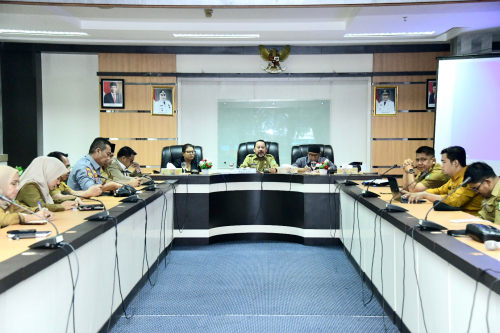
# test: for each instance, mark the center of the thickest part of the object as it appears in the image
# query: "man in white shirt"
(385, 106)
(163, 105)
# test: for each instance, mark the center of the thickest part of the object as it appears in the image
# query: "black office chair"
(246, 148)
(301, 151)
(171, 153)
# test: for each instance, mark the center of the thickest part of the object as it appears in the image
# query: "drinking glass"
(183, 166)
(313, 165)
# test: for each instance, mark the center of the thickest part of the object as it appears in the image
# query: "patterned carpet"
(255, 287)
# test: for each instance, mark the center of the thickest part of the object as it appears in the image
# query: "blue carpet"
(255, 287)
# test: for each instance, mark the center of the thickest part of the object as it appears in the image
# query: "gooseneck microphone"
(49, 243)
(398, 209)
(433, 226)
(370, 194)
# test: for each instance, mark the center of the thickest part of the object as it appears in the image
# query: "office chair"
(246, 148)
(301, 151)
(171, 153)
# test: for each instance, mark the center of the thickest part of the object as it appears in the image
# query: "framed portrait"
(385, 100)
(112, 93)
(431, 94)
(163, 101)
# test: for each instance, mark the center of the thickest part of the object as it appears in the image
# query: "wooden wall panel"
(413, 78)
(403, 62)
(136, 62)
(148, 152)
(404, 125)
(412, 97)
(389, 152)
(137, 125)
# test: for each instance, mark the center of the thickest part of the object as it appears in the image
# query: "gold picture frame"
(385, 100)
(163, 100)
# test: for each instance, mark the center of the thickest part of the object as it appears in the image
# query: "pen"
(39, 206)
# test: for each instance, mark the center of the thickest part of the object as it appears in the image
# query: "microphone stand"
(49, 243)
(370, 194)
(398, 209)
(433, 226)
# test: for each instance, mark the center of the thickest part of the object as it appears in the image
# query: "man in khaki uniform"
(118, 170)
(453, 161)
(485, 182)
(423, 174)
(262, 161)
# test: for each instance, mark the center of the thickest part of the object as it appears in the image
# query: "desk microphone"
(48, 243)
(397, 209)
(433, 226)
(370, 194)
(124, 191)
(101, 216)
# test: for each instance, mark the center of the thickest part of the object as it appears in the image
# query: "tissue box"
(170, 172)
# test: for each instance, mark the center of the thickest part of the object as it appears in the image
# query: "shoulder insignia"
(89, 172)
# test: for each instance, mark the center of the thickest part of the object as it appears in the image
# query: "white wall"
(70, 94)
(349, 113)
(301, 63)
(71, 99)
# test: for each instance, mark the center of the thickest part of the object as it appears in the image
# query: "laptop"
(393, 184)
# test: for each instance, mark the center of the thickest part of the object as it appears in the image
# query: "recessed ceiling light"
(41, 32)
(391, 34)
(216, 35)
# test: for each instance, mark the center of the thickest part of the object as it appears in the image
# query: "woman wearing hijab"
(9, 186)
(42, 176)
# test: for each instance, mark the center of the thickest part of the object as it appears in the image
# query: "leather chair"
(301, 151)
(246, 148)
(171, 153)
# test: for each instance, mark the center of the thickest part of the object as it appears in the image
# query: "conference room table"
(203, 209)
(36, 286)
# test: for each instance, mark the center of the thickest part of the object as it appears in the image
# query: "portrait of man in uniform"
(385, 100)
(163, 101)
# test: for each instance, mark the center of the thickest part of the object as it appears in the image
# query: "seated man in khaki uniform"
(424, 173)
(119, 171)
(262, 161)
(453, 161)
(485, 182)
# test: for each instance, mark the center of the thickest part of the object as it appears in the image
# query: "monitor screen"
(468, 108)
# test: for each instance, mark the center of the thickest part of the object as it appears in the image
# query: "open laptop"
(393, 184)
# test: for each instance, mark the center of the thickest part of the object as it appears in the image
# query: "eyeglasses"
(476, 188)
(189, 152)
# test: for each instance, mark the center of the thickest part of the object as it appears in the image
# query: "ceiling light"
(216, 35)
(41, 32)
(391, 34)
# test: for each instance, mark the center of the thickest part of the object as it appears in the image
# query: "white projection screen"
(468, 108)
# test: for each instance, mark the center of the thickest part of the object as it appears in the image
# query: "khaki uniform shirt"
(435, 178)
(29, 195)
(253, 161)
(491, 206)
(465, 198)
(114, 171)
(10, 216)
(62, 187)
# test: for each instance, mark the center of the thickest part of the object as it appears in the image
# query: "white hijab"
(6, 174)
(42, 171)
